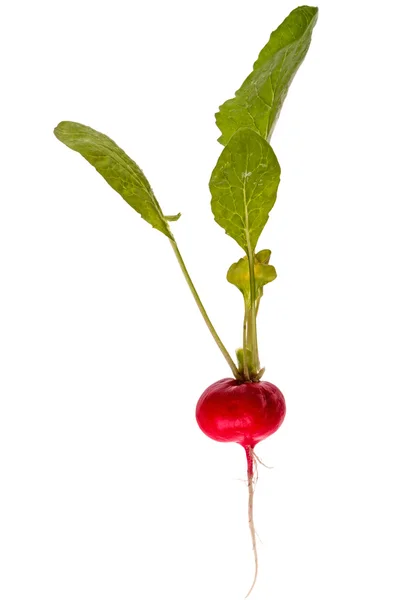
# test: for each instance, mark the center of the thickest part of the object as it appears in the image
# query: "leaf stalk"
(252, 317)
(245, 343)
(204, 314)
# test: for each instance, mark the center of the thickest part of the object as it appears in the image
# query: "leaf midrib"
(246, 213)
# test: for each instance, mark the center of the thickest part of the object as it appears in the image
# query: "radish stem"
(245, 357)
(203, 311)
(252, 316)
(250, 483)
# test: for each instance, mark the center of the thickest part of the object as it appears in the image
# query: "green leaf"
(243, 186)
(239, 274)
(173, 217)
(240, 358)
(120, 171)
(258, 102)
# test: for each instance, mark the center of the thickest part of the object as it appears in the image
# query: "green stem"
(203, 310)
(252, 315)
(252, 318)
(245, 342)
(257, 306)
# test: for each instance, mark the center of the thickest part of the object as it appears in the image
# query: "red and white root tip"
(250, 484)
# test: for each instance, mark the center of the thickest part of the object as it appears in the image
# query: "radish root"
(250, 484)
(257, 459)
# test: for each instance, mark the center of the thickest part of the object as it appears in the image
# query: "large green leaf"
(258, 102)
(243, 186)
(120, 171)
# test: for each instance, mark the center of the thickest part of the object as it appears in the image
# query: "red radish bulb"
(244, 412)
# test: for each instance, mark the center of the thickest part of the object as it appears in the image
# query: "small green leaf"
(258, 102)
(173, 217)
(239, 274)
(240, 358)
(120, 171)
(263, 256)
(243, 185)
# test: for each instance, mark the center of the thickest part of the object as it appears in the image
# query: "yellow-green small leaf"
(173, 217)
(239, 273)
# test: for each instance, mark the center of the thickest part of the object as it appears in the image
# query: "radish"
(243, 186)
(243, 412)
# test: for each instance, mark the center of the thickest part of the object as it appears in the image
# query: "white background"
(108, 489)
